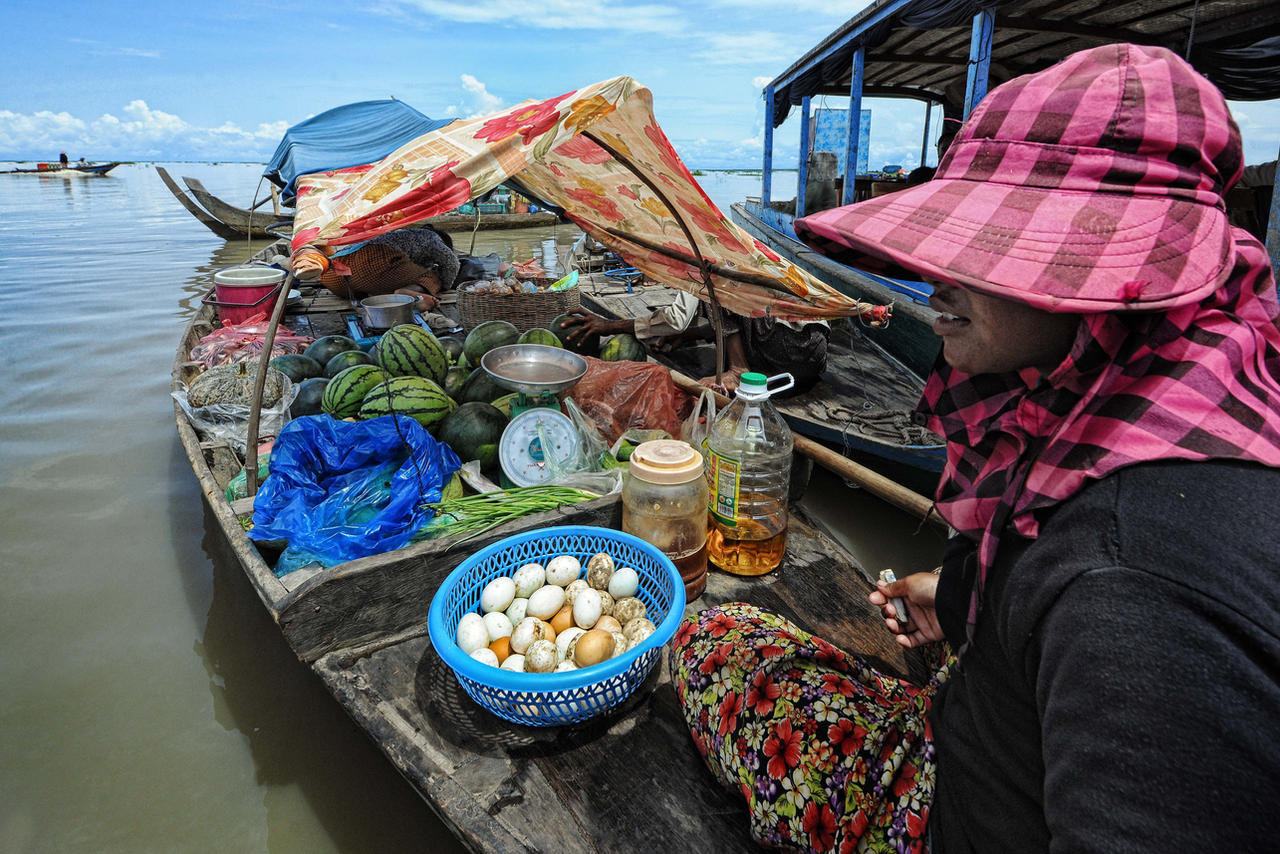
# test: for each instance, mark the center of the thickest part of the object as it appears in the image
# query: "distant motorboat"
(65, 169)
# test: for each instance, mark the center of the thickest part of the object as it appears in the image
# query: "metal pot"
(388, 310)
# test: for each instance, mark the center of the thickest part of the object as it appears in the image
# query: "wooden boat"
(229, 221)
(361, 626)
(70, 170)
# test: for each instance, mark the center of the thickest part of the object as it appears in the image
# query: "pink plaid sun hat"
(1094, 185)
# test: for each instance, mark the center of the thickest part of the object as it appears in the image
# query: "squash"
(233, 385)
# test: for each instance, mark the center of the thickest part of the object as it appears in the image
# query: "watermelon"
(346, 359)
(506, 402)
(324, 349)
(588, 346)
(454, 380)
(408, 350)
(452, 347)
(623, 347)
(479, 386)
(297, 367)
(486, 336)
(417, 397)
(473, 431)
(310, 395)
(347, 390)
(540, 336)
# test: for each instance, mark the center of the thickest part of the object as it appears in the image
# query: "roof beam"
(1045, 25)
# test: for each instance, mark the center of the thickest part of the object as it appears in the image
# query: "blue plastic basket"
(552, 699)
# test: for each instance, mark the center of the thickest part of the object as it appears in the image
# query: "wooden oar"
(877, 484)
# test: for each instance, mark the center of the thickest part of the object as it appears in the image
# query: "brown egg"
(501, 648)
(608, 624)
(592, 648)
(563, 619)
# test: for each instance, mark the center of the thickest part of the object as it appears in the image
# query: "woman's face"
(983, 334)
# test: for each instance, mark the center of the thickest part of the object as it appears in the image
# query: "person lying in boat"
(1110, 397)
(416, 261)
(751, 344)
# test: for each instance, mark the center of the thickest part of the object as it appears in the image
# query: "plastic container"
(553, 699)
(241, 292)
(748, 466)
(664, 502)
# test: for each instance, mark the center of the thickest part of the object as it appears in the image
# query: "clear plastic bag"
(230, 422)
(697, 426)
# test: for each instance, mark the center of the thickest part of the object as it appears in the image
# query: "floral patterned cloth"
(830, 754)
(573, 151)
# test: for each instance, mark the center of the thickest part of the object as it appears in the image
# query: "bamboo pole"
(260, 382)
(913, 503)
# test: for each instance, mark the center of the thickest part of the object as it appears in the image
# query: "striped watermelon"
(408, 350)
(417, 397)
(347, 390)
(623, 347)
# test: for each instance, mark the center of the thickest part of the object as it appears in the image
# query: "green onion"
(474, 514)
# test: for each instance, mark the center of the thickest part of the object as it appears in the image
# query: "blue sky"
(221, 80)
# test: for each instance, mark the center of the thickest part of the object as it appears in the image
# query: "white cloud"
(547, 14)
(760, 82)
(98, 48)
(485, 102)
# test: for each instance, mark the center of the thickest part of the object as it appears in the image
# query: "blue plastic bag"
(340, 490)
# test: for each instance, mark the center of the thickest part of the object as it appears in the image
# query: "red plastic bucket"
(241, 292)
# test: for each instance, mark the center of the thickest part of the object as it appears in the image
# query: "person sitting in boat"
(1110, 394)
(760, 344)
(62, 158)
(416, 261)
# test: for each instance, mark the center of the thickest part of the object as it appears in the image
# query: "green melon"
(347, 390)
(479, 386)
(346, 359)
(452, 347)
(588, 346)
(310, 396)
(454, 379)
(297, 367)
(506, 402)
(540, 336)
(623, 347)
(473, 431)
(409, 350)
(417, 397)
(486, 336)
(324, 349)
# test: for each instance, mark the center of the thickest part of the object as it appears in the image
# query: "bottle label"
(725, 477)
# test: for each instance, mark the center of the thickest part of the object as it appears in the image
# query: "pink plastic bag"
(242, 341)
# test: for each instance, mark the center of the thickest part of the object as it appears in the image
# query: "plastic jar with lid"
(664, 502)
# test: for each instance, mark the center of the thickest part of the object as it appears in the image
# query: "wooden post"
(924, 143)
(766, 181)
(855, 126)
(803, 178)
(984, 25)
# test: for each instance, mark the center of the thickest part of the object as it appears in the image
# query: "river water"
(148, 702)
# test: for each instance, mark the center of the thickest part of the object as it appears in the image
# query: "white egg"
(545, 601)
(575, 587)
(541, 657)
(497, 625)
(565, 665)
(599, 571)
(518, 610)
(626, 610)
(625, 582)
(471, 633)
(638, 629)
(620, 643)
(514, 662)
(586, 608)
(484, 655)
(529, 578)
(497, 595)
(527, 631)
(563, 569)
(565, 639)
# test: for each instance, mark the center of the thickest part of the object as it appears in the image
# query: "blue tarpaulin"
(350, 135)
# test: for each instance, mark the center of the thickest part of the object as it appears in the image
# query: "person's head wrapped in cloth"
(1097, 309)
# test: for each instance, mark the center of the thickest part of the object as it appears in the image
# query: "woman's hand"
(582, 324)
(731, 379)
(918, 590)
(426, 301)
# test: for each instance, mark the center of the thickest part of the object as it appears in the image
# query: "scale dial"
(521, 452)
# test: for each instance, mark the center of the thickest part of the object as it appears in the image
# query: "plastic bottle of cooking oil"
(748, 466)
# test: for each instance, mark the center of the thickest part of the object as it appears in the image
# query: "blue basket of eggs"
(562, 696)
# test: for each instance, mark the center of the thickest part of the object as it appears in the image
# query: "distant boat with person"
(80, 167)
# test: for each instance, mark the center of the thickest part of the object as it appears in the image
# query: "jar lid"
(665, 461)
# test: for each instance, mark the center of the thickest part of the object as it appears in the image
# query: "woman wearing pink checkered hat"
(1108, 613)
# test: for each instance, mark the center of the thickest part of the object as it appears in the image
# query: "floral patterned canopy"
(598, 154)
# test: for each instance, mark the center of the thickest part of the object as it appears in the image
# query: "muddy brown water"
(148, 702)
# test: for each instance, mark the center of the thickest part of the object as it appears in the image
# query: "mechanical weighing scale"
(537, 374)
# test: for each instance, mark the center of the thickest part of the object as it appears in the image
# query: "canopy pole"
(259, 384)
(766, 179)
(854, 138)
(924, 143)
(717, 322)
(984, 25)
(805, 141)
(1273, 227)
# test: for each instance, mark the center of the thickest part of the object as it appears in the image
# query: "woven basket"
(525, 311)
